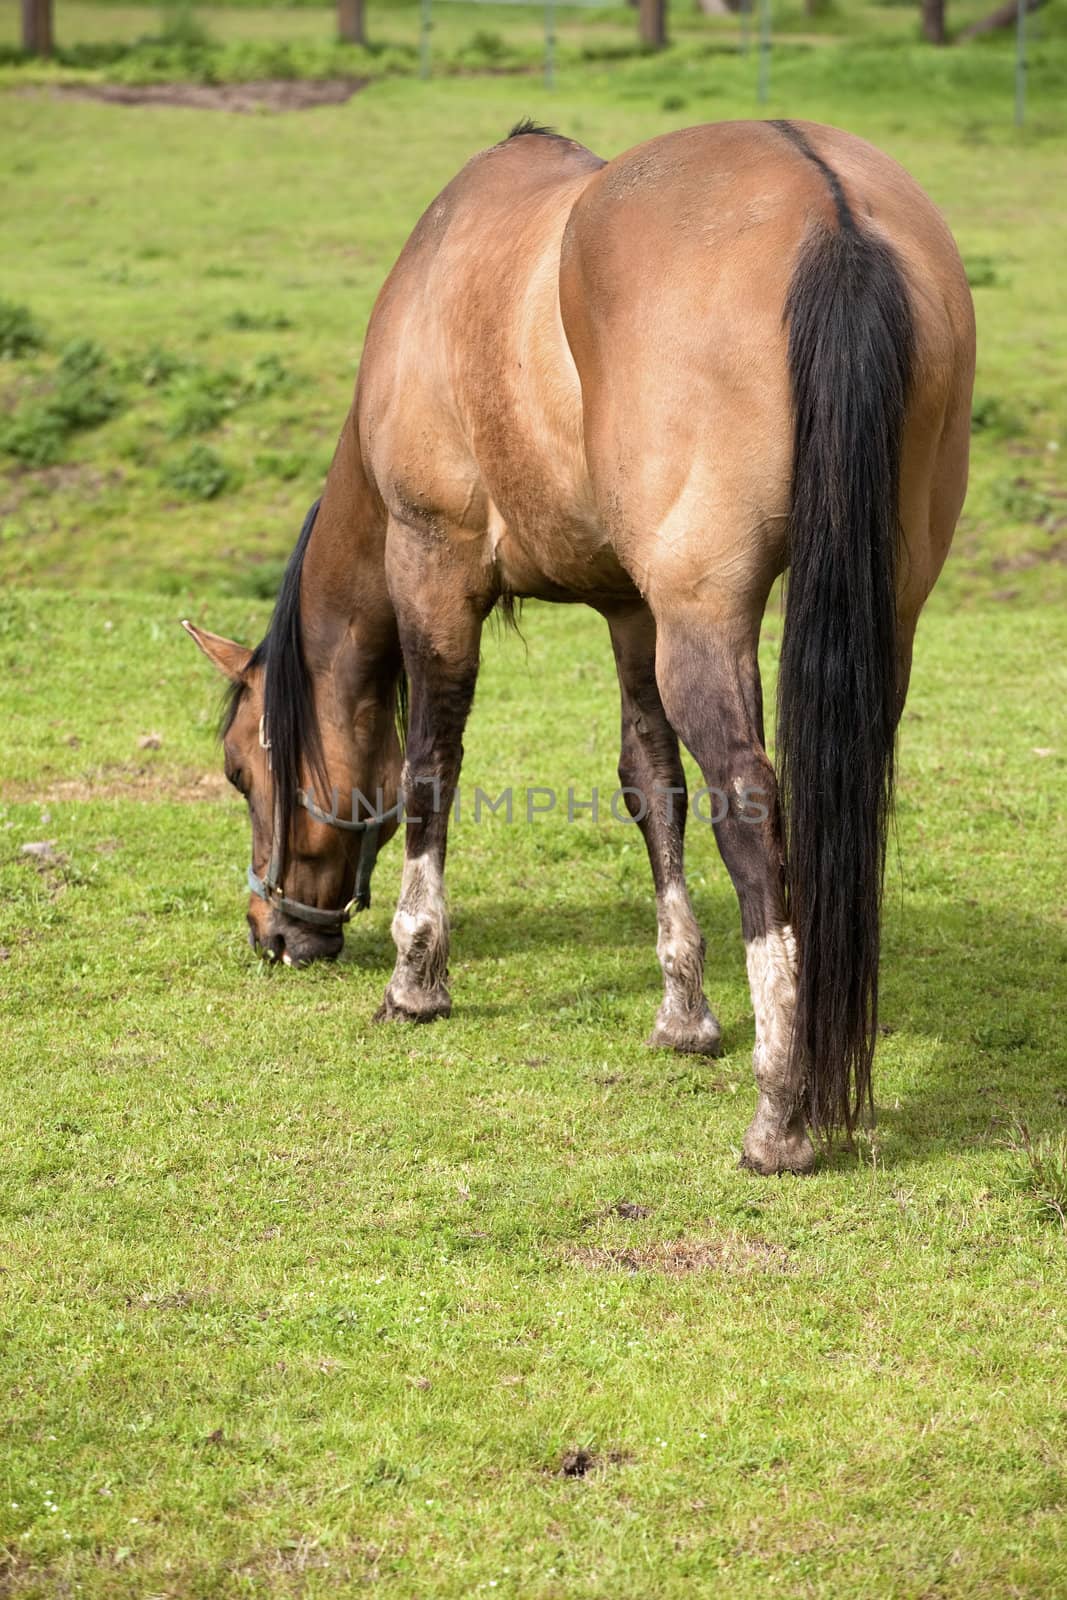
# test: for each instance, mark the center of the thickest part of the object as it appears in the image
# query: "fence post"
(425, 25)
(1020, 64)
(550, 44)
(764, 50)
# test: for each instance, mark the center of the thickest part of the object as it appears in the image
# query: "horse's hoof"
(770, 1154)
(691, 1036)
(414, 1007)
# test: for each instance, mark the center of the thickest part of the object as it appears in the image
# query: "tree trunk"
(1003, 17)
(933, 12)
(652, 23)
(37, 27)
(350, 21)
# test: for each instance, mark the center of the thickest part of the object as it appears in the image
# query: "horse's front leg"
(650, 771)
(440, 630)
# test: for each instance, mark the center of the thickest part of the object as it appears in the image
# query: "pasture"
(296, 1305)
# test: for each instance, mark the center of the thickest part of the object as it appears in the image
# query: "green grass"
(294, 1305)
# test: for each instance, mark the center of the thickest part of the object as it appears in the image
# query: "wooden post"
(350, 21)
(763, 81)
(425, 32)
(933, 19)
(37, 38)
(550, 44)
(652, 23)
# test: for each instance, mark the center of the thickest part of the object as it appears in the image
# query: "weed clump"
(20, 333)
(242, 321)
(990, 414)
(983, 273)
(1039, 1171)
(200, 474)
(199, 401)
(82, 396)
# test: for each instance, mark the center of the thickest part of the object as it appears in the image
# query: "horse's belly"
(556, 553)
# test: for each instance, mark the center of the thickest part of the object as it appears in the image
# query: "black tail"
(850, 349)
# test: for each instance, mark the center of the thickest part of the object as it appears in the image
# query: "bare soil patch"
(121, 783)
(267, 94)
(20, 483)
(579, 1463)
(679, 1258)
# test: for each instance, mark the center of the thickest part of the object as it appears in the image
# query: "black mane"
(290, 723)
(528, 125)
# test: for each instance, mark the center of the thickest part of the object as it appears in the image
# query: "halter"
(269, 887)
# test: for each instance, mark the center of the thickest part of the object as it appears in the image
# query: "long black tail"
(850, 349)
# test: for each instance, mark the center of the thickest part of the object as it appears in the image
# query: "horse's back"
(582, 367)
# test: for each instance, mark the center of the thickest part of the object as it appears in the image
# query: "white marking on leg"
(420, 932)
(772, 969)
(680, 950)
(776, 1140)
(684, 1021)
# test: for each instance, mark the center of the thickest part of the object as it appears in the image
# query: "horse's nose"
(271, 945)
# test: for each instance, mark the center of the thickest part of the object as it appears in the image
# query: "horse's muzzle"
(293, 944)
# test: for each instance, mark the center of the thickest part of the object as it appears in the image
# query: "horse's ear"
(230, 658)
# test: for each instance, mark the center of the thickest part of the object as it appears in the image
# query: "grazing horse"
(648, 384)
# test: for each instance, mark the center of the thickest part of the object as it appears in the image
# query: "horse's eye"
(237, 778)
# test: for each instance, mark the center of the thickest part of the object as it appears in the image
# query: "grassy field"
(294, 1305)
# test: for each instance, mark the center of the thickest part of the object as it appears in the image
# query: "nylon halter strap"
(269, 887)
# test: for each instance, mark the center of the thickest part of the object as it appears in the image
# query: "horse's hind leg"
(708, 676)
(650, 771)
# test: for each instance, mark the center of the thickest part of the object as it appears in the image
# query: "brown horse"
(650, 385)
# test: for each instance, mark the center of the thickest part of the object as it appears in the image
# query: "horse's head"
(320, 774)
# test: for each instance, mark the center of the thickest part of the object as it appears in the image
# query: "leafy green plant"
(243, 321)
(992, 415)
(199, 400)
(182, 27)
(82, 358)
(485, 45)
(82, 396)
(982, 272)
(1023, 500)
(269, 376)
(33, 436)
(20, 333)
(283, 464)
(155, 368)
(200, 474)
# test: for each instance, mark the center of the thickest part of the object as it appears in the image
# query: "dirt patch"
(49, 863)
(681, 1257)
(22, 483)
(121, 783)
(628, 1210)
(269, 94)
(179, 1300)
(1054, 555)
(579, 1463)
(631, 1211)
(298, 1565)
